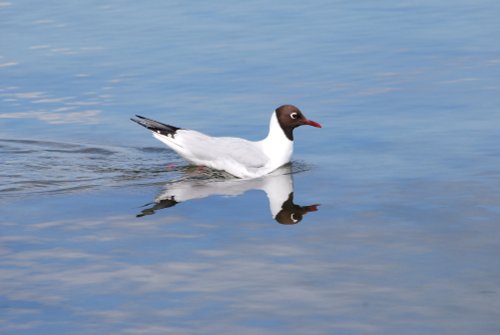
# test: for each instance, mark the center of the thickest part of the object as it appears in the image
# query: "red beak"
(312, 123)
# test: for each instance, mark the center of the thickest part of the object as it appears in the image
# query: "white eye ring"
(293, 218)
(294, 115)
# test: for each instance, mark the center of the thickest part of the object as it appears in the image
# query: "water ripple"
(30, 166)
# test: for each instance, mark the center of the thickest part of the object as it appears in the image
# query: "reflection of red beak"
(311, 208)
(312, 123)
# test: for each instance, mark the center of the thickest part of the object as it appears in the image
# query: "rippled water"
(386, 222)
(55, 167)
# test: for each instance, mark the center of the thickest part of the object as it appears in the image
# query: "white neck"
(276, 145)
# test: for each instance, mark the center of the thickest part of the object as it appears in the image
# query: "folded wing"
(235, 155)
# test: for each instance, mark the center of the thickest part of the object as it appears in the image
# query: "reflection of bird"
(278, 187)
(239, 157)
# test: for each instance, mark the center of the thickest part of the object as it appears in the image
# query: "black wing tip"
(140, 121)
(158, 127)
(135, 120)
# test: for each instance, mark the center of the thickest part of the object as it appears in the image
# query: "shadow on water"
(278, 187)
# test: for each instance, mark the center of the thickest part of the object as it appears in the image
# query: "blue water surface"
(393, 227)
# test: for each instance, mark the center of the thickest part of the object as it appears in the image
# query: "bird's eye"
(294, 115)
(294, 220)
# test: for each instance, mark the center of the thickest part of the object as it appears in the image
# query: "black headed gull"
(277, 185)
(239, 157)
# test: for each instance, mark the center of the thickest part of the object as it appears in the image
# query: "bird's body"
(239, 157)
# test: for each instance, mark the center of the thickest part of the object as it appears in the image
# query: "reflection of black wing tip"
(165, 203)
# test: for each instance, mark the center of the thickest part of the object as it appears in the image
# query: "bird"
(237, 156)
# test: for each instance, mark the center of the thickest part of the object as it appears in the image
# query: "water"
(388, 216)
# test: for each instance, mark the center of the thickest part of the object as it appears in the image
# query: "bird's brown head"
(290, 117)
